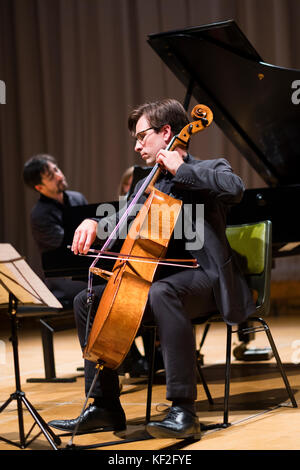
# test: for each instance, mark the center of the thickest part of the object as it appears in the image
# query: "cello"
(124, 299)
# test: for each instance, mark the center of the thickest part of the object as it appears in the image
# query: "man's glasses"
(140, 136)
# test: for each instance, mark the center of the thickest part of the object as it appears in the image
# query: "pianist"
(42, 174)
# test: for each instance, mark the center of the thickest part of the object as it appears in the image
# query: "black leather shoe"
(94, 418)
(242, 353)
(178, 423)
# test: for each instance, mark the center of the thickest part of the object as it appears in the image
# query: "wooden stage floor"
(260, 413)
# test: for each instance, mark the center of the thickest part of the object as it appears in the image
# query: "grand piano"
(255, 105)
(252, 104)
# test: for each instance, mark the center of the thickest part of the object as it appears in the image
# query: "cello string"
(124, 217)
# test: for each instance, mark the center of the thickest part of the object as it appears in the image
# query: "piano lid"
(251, 100)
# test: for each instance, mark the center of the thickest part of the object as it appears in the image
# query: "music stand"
(18, 283)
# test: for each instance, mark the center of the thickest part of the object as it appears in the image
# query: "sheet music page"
(17, 276)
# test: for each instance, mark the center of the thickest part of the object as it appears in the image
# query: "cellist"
(217, 282)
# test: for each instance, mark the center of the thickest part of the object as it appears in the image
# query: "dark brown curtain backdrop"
(74, 68)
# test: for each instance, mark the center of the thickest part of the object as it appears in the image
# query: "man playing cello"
(218, 282)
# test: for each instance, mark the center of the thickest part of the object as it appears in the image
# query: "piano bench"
(51, 321)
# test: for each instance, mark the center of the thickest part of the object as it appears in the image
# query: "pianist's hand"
(84, 236)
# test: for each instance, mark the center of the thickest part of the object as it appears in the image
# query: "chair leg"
(151, 372)
(203, 381)
(206, 328)
(227, 376)
(199, 368)
(225, 422)
(278, 360)
(48, 349)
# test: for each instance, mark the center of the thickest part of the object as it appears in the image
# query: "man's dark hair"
(159, 113)
(35, 167)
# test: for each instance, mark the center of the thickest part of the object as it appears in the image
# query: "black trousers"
(166, 307)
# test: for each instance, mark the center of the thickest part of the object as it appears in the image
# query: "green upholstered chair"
(253, 244)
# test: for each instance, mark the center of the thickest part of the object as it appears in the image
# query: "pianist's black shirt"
(47, 219)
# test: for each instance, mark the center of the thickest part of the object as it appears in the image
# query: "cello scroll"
(203, 118)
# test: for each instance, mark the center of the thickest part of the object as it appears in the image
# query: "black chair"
(252, 242)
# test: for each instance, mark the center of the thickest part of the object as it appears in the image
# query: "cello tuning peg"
(204, 121)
